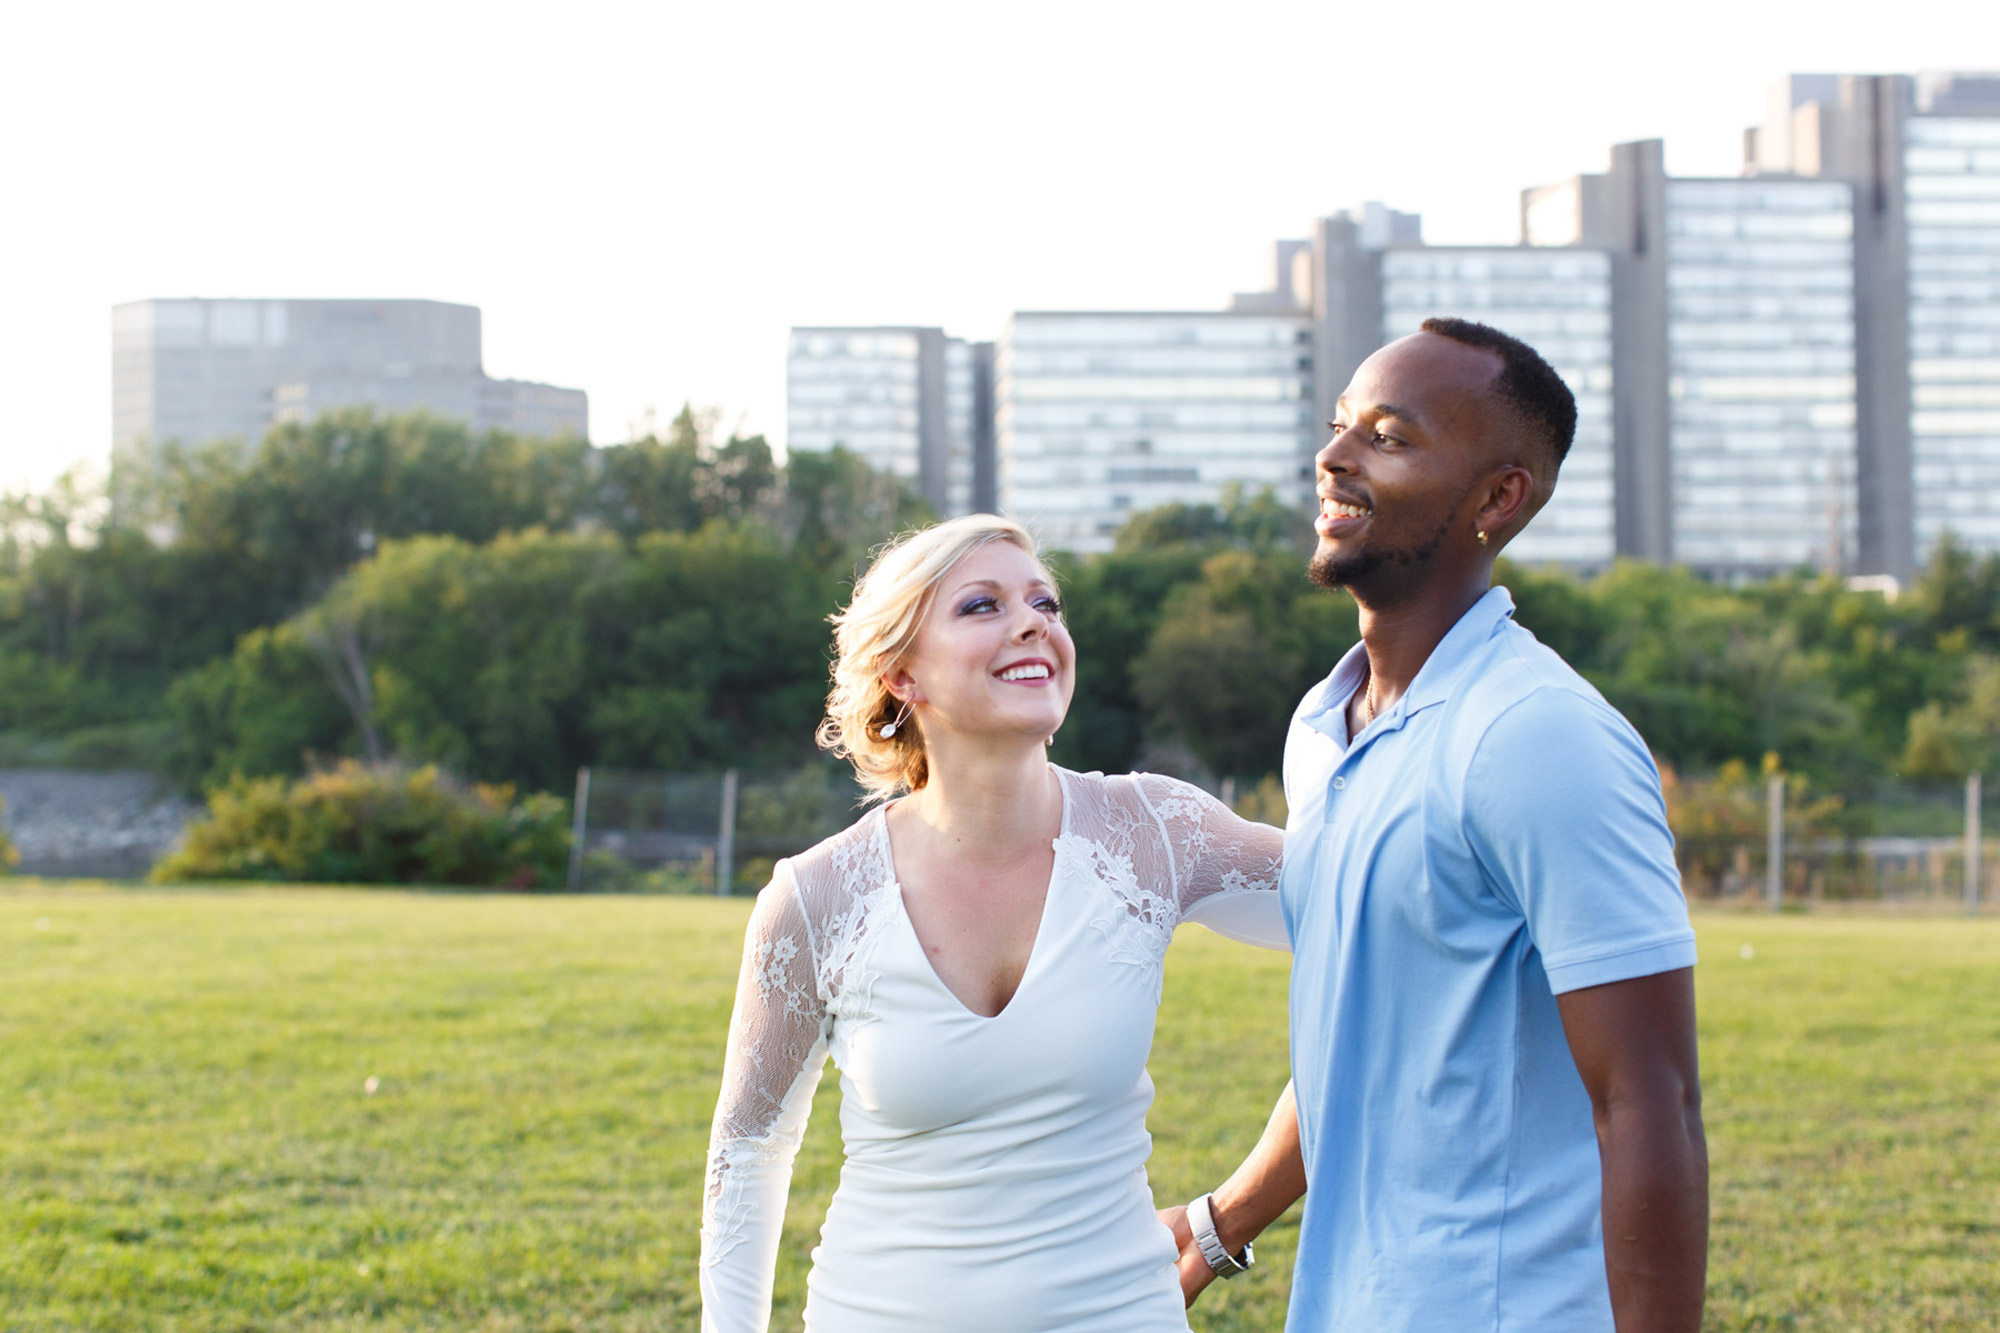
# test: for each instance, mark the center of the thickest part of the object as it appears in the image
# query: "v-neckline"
(1041, 922)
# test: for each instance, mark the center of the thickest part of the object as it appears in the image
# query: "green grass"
(190, 1146)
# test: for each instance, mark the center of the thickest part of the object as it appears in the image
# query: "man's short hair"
(1526, 383)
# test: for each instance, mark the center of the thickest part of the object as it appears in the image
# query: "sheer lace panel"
(1214, 850)
(777, 1039)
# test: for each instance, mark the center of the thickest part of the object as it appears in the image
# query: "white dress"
(995, 1173)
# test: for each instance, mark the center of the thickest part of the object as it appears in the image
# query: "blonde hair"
(876, 632)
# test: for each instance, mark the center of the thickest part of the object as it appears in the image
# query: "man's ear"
(1509, 500)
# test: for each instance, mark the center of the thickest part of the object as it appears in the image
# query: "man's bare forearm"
(1634, 1043)
(1271, 1179)
(1655, 1158)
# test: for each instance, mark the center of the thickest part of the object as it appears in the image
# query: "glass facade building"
(1559, 303)
(859, 388)
(1101, 415)
(910, 401)
(964, 403)
(1761, 373)
(1952, 190)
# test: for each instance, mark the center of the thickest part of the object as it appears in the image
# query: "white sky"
(643, 198)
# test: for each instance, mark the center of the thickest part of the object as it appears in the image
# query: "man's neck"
(1401, 634)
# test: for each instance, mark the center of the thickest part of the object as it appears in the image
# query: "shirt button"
(1340, 784)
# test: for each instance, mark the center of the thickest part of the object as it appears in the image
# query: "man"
(1495, 1112)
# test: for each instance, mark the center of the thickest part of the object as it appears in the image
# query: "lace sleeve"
(1225, 867)
(777, 1049)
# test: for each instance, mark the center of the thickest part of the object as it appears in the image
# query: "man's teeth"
(1335, 509)
(1025, 673)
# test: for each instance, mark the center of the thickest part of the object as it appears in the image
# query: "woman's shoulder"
(851, 861)
(1139, 788)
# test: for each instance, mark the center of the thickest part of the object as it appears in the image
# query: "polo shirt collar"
(1324, 708)
(1461, 643)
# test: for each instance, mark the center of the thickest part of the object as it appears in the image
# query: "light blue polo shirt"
(1495, 838)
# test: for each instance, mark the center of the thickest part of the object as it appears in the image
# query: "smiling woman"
(982, 958)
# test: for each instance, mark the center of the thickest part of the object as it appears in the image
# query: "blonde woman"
(982, 958)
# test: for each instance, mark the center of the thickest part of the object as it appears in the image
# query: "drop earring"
(889, 728)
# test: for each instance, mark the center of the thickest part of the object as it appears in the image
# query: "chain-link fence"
(701, 832)
(1740, 837)
(1779, 840)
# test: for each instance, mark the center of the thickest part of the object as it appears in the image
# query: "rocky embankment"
(71, 823)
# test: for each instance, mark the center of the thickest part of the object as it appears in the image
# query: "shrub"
(385, 824)
(10, 855)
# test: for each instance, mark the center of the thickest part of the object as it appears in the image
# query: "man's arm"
(1634, 1044)
(1271, 1179)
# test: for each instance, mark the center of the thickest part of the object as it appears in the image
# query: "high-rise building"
(1795, 368)
(192, 371)
(1102, 414)
(1923, 157)
(911, 401)
(1760, 374)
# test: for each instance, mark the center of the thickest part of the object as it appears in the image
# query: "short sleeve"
(1564, 814)
(1224, 867)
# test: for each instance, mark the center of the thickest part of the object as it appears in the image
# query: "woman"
(982, 959)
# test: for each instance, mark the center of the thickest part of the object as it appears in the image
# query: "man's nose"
(1335, 454)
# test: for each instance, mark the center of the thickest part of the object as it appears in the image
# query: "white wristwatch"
(1202, 1222)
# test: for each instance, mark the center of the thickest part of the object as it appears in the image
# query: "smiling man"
(1495, 1110)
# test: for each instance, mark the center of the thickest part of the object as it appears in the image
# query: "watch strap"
(1201, 1221)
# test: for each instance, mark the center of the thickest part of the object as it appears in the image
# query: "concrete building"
(191, 371)
(910, 400)
(1922, 154)
(1102, 414)
(1795, 368)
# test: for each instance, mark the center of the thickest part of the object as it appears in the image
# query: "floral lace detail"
(1137, 924)
(805, 985)
(860, 875)
(727, 1207)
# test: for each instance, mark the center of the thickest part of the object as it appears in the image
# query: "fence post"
(1774, 845)
(1972, 784)
(725, 838)
(578, 822)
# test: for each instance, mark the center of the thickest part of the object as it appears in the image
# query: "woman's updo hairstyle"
(877, 631)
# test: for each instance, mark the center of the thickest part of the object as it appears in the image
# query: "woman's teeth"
(1025, 673)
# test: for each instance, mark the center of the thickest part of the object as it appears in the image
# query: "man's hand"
(1194, 1270)
(1271, 1179)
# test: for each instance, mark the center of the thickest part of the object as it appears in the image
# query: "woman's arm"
(777, 1048)
(1224, 867)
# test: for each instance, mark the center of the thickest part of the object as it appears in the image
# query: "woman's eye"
(976, 605)
(1049, 606)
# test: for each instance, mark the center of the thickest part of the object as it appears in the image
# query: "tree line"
(403, 587)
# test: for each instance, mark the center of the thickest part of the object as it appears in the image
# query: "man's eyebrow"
(1381, 410)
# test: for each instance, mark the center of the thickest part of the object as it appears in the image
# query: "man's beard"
(1374, 566)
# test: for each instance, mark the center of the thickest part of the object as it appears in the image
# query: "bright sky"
(642, 198)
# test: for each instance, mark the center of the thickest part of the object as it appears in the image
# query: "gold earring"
(1481, 534)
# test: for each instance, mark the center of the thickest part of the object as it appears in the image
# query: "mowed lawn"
(191, 1144)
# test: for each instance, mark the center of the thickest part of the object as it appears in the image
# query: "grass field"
(191, 1143)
